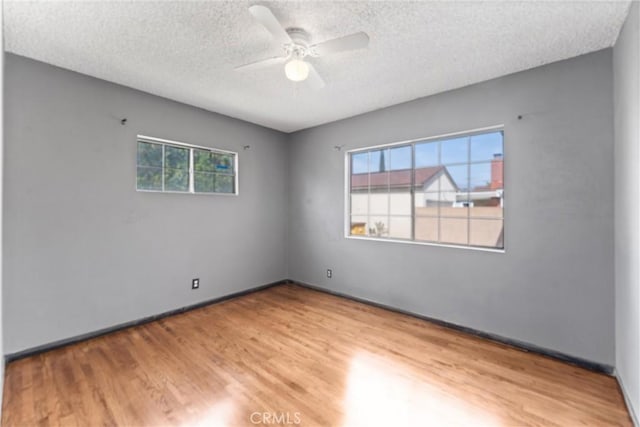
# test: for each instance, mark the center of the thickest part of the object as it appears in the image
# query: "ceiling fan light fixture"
(295, 47)
(296, 70)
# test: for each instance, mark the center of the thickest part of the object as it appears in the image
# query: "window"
(446, 191)
(175, 167)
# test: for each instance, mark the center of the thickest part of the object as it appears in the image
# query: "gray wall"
(627, 210)
(78, 236)
(83, 249)
(554, 285)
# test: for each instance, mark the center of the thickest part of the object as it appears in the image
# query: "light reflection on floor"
(222, 414)
(383, 393)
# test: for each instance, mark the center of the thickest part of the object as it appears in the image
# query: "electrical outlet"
(195, 283)
(329, 273)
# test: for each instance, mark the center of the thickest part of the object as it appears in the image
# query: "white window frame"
(190, 147)
(347, 191)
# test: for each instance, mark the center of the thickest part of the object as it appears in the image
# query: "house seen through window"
(448, 191)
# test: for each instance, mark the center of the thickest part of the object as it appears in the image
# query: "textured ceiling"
(186, 50)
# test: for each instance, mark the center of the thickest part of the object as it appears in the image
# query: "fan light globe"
(296, 70)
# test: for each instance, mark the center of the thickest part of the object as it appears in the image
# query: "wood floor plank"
(293, 356)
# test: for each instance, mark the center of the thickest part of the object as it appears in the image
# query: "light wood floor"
(289, 354)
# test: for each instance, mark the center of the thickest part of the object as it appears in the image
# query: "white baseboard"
(627, 401)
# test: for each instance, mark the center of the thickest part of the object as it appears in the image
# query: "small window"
(168, 166)
(443, 190)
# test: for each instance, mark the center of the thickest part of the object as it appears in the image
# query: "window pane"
(379, 181)
(149, 178)
(430, 179)
(400, 158)
(224, 164)
(454, 204)
(442, 178)
(176, 180)
(486, 146)
(360, 163)
(358, 225)
(432, 200)
(481, 177)
(400, 203)
(454, 150)
(488, 199)
(427, 229)
(149, 154)
(399, 180)
(176, 158)
(224, 184)
(379, 203)
(426, 154)
(379, 161)
(360, 182)
(360, 203)
(379, 226)
(487, 232)
(447, 199)
(176, 168)
(203, 161)
(454, 230)
(400, 227)
(455, 179)
(203, 182)
(427, 204)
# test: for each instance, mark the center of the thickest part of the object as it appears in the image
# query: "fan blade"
(256, 65)
(314, 79)
(351, 42)
(264, 15)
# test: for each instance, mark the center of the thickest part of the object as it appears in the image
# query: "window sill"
(413, 242)
(186, 192)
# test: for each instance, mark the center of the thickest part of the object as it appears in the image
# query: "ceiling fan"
(296, 48)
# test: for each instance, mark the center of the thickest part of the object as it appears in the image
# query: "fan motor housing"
(299, 48)
(299, 36)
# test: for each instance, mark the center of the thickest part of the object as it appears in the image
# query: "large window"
(175, 167)
(443, 190)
